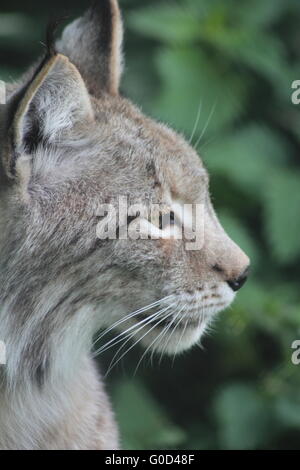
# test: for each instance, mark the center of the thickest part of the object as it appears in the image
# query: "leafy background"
(232, 64)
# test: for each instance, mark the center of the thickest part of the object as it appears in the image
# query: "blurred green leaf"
(263, 53)
(15, 25)
(246, 157)
(288, 410)
(171, 23)
(135, 407)
(258, 14)
(282, 214)
(243, 417)
(189, 80)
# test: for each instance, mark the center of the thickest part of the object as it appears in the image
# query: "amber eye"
(130, 218)
(165, 219)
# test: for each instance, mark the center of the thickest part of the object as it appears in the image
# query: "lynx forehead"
(71, 143)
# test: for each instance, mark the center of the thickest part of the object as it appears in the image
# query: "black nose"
(236, 284)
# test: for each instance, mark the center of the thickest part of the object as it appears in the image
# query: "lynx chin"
(69, 144)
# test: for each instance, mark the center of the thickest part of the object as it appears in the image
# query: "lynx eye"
(130, 218)
(166, 219)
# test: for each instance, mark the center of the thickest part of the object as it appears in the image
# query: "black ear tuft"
(24, 117)
(93, 44)
(103, 12)
(20, 93)
(54, 101)
(52, 27)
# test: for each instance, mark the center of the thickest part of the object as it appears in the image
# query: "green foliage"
(232, 64)
(282, 203)
(243, 417)
(170, 23)
(246, 156)
(135, 407)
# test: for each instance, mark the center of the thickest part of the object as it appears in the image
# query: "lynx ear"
(93, 43)
(54, 101)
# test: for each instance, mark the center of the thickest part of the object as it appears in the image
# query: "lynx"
(69, 144)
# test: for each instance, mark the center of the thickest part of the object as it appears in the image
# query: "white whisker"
(123, 334)
(174, 321)
(149, 347)
(113, 364)
(196, 122)
(178, 343)
(130, 315)
(206, 125)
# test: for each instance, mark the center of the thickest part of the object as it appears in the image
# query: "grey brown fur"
(58, 283)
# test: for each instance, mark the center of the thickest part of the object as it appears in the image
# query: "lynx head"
(70, 145)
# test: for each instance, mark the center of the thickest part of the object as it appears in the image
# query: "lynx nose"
(237, 283)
